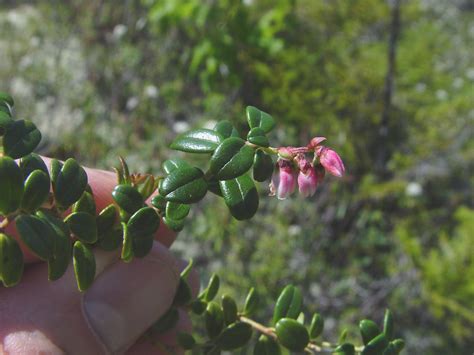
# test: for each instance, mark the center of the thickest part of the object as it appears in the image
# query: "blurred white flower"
(414, 189)
(119, 31)
(151, 91)
(132, 103)
(180, 126)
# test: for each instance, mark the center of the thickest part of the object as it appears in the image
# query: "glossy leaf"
(183, 294)
(240, 196)
(83, 226)
(211, 290)
(11, 261)
(173, 224)
(368, 330)
(214, 319)
(20, 139)
(229, 307)
(71, 182)
(85, 204)
(128, 198)
(251, 302)
(266, 346)
(172, 164)
(234, 336)
(36, 191)
(258, 118)
(398, 344)
(185, 185)
(5, 97)
(56, 167)
(37, 235)
(226, 129)
(110, 239)
(84, 265)
(345, 349)
(197, 141)
(6, 108)
(291, 334)
(262, 166)
(32, 162)
(142, 227)
(388, 324)
(159, 202)
(257, 136)
(198, 306)
(316, 327)
(376, 346)
(288, 304)
(231, 159)
(177, 211)
(127, 245)
(5, 122)
(11, 186)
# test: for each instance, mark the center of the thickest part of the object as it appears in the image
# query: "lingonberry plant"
(55, 216)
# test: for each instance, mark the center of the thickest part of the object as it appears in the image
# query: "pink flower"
(284, 180)
(331, 161)
(307, 178)
(315, 142)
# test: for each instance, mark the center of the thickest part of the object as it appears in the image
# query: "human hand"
(38, 316)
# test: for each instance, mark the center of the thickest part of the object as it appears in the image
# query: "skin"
(42, 317)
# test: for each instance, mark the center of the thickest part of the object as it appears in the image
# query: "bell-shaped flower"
(331, 161)
(307, 183)
(283, 182)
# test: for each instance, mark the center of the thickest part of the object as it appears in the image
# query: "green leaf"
(83, 226)
(388, 324)
(262, 166)
(229, 307)
(214, 319)
(127, 246)
(266, 346)
(211, 290)
(185, 340)
(159, 202)
(251, 302)
(32, 162)
(59, 262)
(288, 304)
(5, 97)
(85, 204)
(56, 167)
(142, 227)
(317, 326)
(257, 136)
(37, 234)
(234, 336)
(343, 336)
(84, 265)
(198, 306)
(20, 139)
(11, 186)
(110, 239)
(197, 141)
(376, 346)
(226, 129)
(166, 322)
(291, 334)
(368, 330)
(5, 122)
(173, 224)
(6, 108)
(172, 164)
(231, 159)
(345, 349)
(36, 191)
(128, 198)
(240, 196)
(398, 344)
(258, 118)
(177, 211)
(185, 185)
(71, 182)
(183, 294)
(11, 261)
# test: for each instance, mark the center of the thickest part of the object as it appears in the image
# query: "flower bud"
(307, 178)
(283, 180)
(332, 162)
(316, 141)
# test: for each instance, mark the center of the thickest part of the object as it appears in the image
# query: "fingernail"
(126, 299)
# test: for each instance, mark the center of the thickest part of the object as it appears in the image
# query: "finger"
(102, 183)
(123, 302)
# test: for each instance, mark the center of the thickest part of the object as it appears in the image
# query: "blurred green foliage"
(125, 78)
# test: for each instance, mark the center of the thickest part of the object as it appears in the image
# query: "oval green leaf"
(175, 225)
(231, 159)
(85, 204)
(20, 139)
(11, 261)
(258, 118)
(257, 136)
(214, 319)
(11, 186)
(226, 129)
(128, 198)
(185, 185)
(266, 346)
(316, 327)
(262, 166)
(142, 227)
(31, 163)
(388, 324)
(291, 334)
(83, 226)
(177, 211)
(288, 304)
(197, 141)
(71, 182)
(368, 330)
(376, 346)
(36, 191)
(84, 265)
(37, 234)
(240, 196)
(234, 336)
(172, 164)
(5, 122)
(251, 302)
(229, 307)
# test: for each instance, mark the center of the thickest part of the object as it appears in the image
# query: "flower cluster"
(294, 168)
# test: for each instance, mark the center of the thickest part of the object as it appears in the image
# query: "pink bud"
(284, 180)
(307, 182)
(316, 141)
(332, 162)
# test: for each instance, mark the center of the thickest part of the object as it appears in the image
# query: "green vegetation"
(123, 79)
